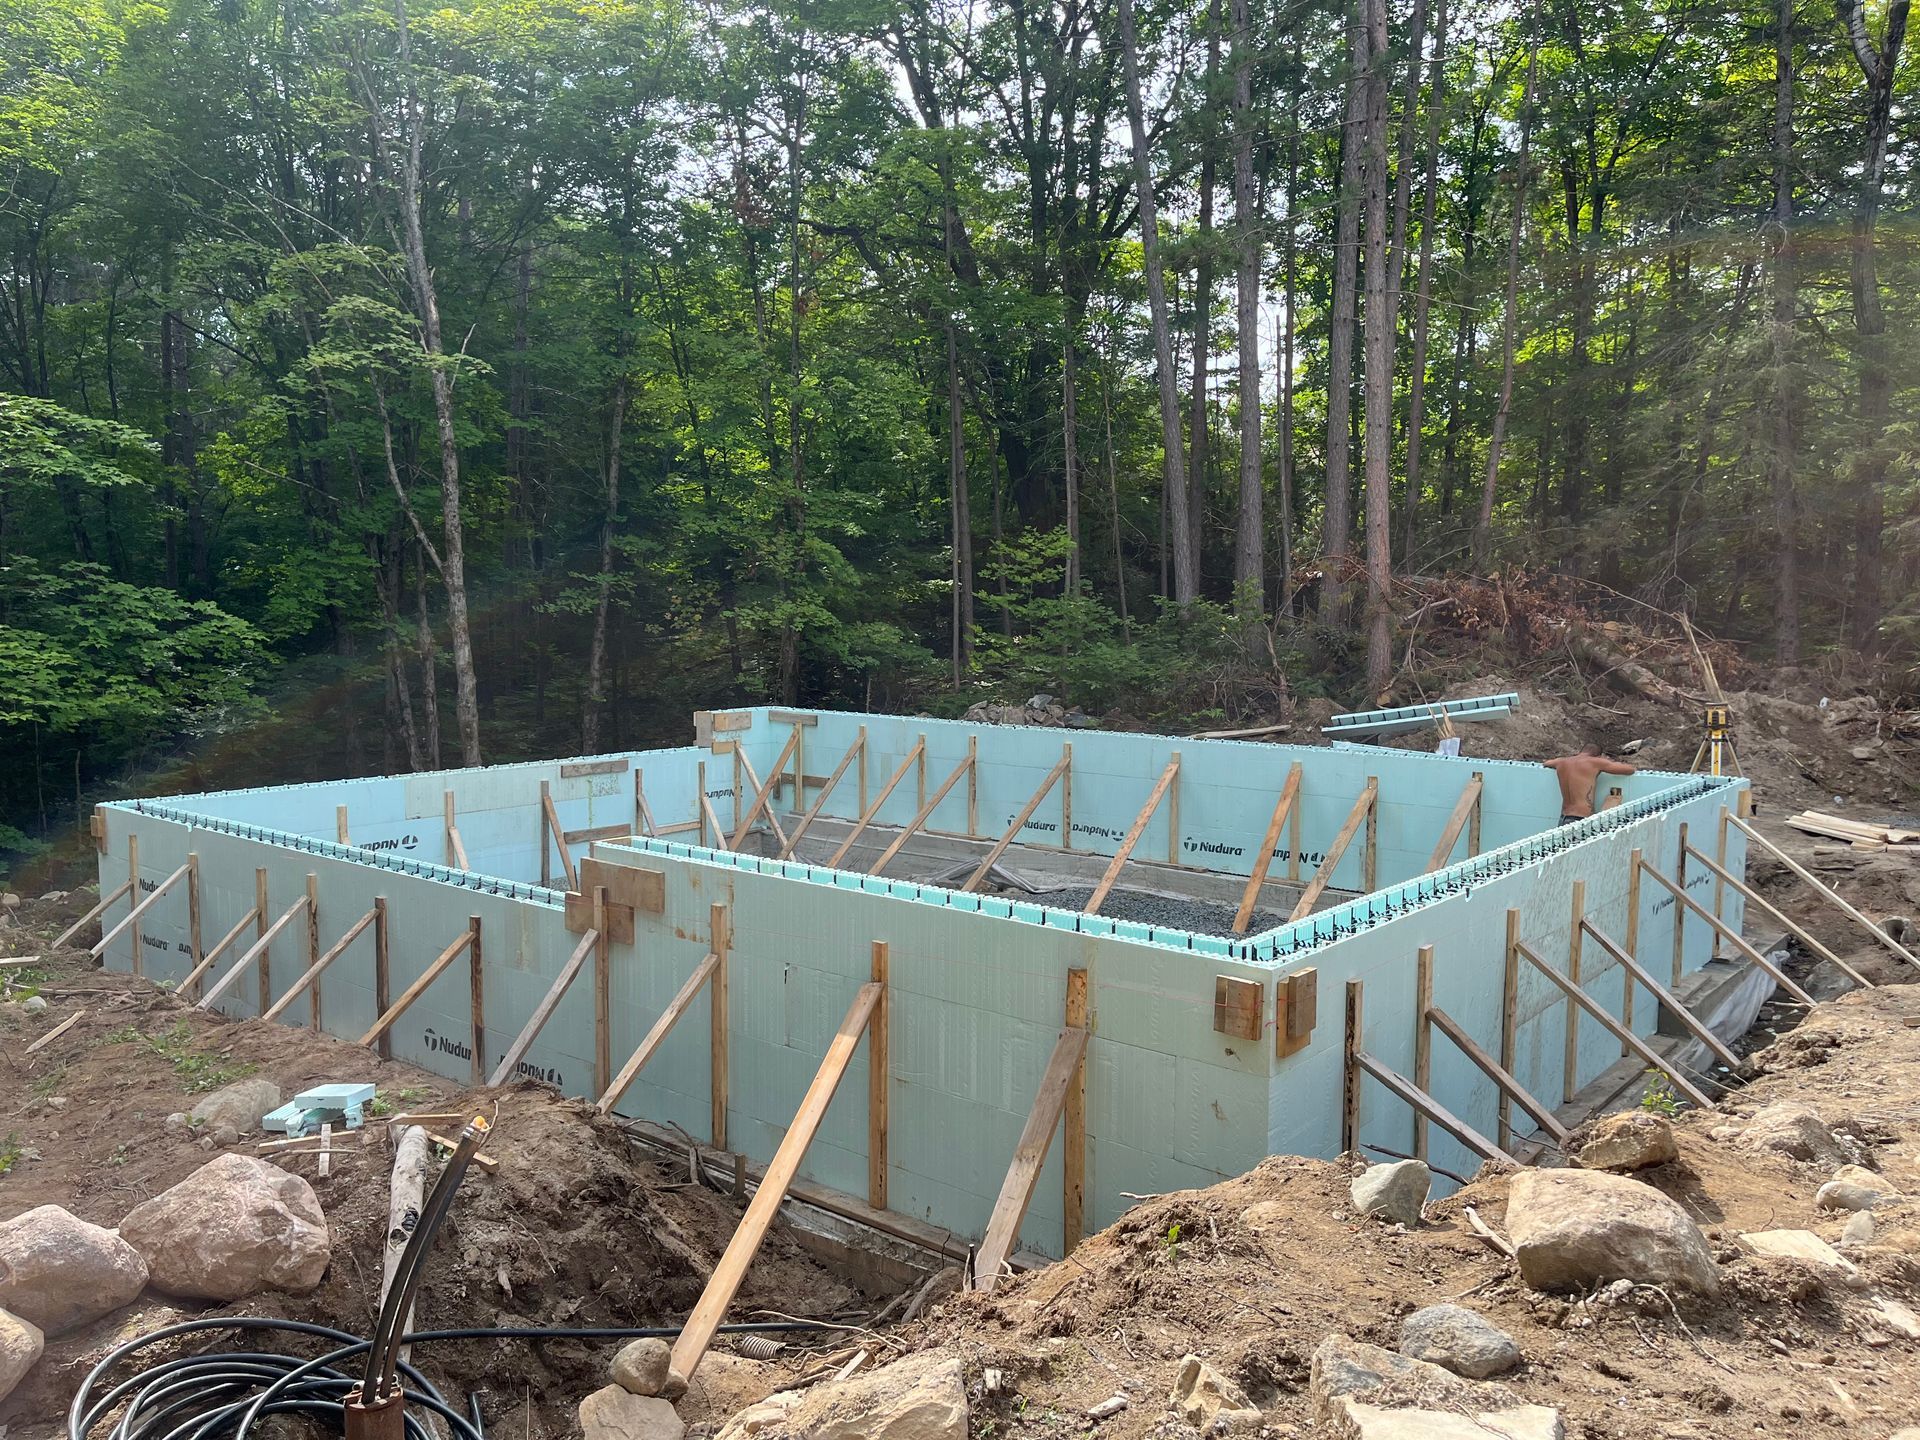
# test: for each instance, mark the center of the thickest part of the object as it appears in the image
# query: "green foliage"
(10, 1152)
(198, 1070)
(1659, 1097)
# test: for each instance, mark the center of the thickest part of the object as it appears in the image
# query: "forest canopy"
(842, 351)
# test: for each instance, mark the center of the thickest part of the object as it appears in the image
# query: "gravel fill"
(1203, 917)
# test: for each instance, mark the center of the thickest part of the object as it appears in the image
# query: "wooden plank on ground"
(1016, 1190)
(54, 1034)
(697, 1334)
(1134, 832)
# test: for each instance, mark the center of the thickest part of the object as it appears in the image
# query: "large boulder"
(1202, 1395)
(612, 1413)
(1796, 1131)
(1362, 1392)
(1576, 1229)
(922, 1397)
(242, 1105)
(20, 1345)
(1459, 1340)
(1630, 1140)
(58, 1272)
(235, 1227)
(1393, 1192)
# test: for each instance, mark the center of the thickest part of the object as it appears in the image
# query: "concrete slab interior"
(703, 924)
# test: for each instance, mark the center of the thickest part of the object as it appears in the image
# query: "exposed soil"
(579, 1227)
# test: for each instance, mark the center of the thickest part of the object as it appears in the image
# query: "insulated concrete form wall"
(977, 984)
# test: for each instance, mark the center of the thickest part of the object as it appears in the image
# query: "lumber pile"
(1859, 834)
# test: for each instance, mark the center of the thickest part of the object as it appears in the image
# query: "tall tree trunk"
(1249, 570)
(1423, 286)
(1292, 250)
(1185, 581)
(796, 505)
(1113, 500)
(597, 651)
(1483, 523)
(1336, 542)
(1069, 422)
(1785, 298)
(389, 558)
(429, 666)
(1869, 320)
(1379, 361)
(1199, 433)
(453, 564)
(962, 507)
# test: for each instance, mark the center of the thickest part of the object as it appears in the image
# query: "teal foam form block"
(292, 1118)
(1096, 925)
(1211, 945)
(1132, 930)
(334, 1097)
(1030, 913)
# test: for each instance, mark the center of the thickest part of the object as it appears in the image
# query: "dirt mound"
(579, 1227)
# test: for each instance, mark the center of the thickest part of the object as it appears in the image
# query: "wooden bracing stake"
(1570, 1076)
(1633, 942)
(1739, 941)
(1626, 1037)
(1362, 809)
(1752, 897)
(1138, 828)
(557, 835)
(724, 1282)
(193, 906)
(382, 964)
(859, 749)
(132, 916)
(1700, 1030)
(477, 993)
(133, 874)
(340, 830)
(669, 1017)
(1422, 1040)
(1679, 913)
(1839, 901)
(419, 987)
(254, 952)
(191, 985)
(914, 756)
(1073, 1167)
(720, 939)
(764, 793)
(1358, 1063)
(1016, 1190)
(1286, 805)
(642, 812)
(456, 847)
(1467, 807)
(602, 991)
(1060, 768)
(543, 1012)
(312, 973)
(312, 947)
(879, 1082)
(1509, 1018)
(1496, 1072)
(95, 913)
(932, 803)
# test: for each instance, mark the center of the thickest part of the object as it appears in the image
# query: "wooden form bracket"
(1358, 1063)
(312, 973)
(1465, 810)
(1578, 996)
(254, 951)
(456, 847)
(543, 1012)
(1753, 897)
(1365, 808)
(764, 793)
(857, 749)
(132, 916)
(1060, 767)
(724, 1282)
(1839, 901)
(94, 914)
(1134, 832)
(914, 757)
(469, 941)
(1721, 927)
(1286, 805)
(1016, 1190)
(932, 803)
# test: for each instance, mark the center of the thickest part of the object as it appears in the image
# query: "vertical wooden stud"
(1473, 820)
(1509, 1017)
(799, 803)
(739, 787)
(134, 898)
(193, 906)
(477, 980)
(340, 831)
(1073, 1157)
(699, 808)
(261, 918)
(1720, 859)
(1293, 832)
(973, 786)
(1173, 814)
(1371, 859)
(1743, 806)
(451, 823)
(1066, 801)
(313, 949)
(878, 1073)
(1422, 1042)
(546, 840)
(863, 772)
(602, 994)
(1680, 911)
(382, 976)
(920, 776)
(1632, 943)
(1350, 1078)
(720, 931)
(1570, 1077)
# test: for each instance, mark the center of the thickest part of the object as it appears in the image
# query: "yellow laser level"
(1716, 743)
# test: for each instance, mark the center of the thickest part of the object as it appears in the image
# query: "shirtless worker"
(1577, 775)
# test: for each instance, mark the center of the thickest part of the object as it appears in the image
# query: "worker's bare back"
(1577, 775)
